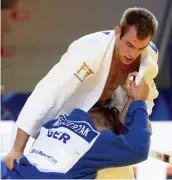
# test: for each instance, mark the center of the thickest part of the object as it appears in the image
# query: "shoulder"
(90, 39)
(95, 36)
(151, 51)
(153, 47)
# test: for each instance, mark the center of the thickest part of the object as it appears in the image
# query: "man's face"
(129, 47)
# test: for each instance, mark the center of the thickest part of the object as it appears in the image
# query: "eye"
(129, 45)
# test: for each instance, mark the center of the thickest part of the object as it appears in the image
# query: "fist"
(139, 92)
(9, 159)
(130, 79)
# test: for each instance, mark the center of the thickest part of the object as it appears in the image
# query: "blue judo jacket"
(72, 147)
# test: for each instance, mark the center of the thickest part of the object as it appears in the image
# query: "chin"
(127, 62)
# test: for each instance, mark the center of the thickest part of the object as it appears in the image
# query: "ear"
(118, 32)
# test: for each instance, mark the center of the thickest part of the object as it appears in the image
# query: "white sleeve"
(58, 85)
(149, 71)
(153, 94)
(50, 94)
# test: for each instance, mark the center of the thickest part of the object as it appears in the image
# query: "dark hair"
(143, 20)
(111, 118)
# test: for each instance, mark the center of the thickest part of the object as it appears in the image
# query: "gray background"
(53, 25)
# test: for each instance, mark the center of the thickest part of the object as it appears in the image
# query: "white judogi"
(78, 80)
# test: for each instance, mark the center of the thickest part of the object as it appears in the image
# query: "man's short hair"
(110, 118)
(143, 20)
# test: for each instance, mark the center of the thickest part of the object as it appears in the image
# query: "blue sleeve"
(132, 147)
(139, 133)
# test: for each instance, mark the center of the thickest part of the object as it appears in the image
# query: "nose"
(132, 53)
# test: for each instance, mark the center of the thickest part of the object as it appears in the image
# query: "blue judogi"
(72, 147)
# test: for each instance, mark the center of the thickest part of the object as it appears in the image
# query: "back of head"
(106, 118)
(143, 20)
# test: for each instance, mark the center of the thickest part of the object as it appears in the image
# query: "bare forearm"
(125, 109)
(21, 140)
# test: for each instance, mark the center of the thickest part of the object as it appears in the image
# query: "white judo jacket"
(78, 80)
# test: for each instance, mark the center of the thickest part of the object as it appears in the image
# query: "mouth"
(128, 60)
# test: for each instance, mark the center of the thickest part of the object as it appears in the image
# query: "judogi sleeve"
(151, 70)
(51, 92)
(132, 147)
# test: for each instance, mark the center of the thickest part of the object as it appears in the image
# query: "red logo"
(20, 15)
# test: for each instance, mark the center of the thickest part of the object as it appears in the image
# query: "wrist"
(18, 149)
(130, 99)
(138, 99)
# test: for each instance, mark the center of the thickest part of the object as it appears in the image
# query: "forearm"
(139, 134)
(125, 109)
(20, 140)
(133, 147)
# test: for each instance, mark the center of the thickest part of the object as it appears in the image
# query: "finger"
(11, 165)
(132, 74)
(131, 77)
(128, 83)
(8, 163)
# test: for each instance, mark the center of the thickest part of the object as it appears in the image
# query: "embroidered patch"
(83, 72)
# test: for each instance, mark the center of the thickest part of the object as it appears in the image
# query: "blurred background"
(35, 34)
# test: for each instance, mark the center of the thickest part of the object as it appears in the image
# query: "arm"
(56, 88)
(149, 70)
(51, 93)
(127, 87)
(44, 103)
(18, 148)
(153, 94)
(125, 109)
(134, 91)
(58, 85)
(21, 140)
(136, 142)
(132, 147)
